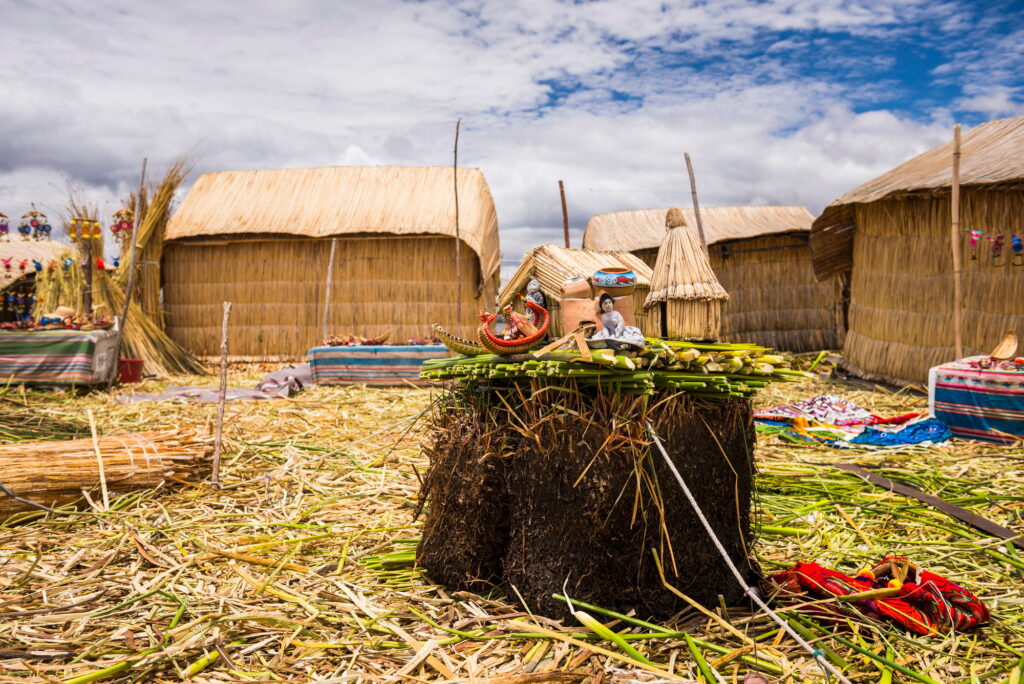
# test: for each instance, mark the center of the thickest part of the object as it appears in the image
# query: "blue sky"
(781, 101)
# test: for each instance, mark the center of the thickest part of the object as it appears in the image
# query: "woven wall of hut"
(277, 289)
(901, 290)
(774, 298)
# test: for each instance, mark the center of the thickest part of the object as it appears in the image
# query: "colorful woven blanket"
(63, 357)
(978, 402)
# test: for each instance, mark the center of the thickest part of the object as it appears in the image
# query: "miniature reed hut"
(760, 256)
(262, 240)
(891, 237)
(18, 269)
(553, 266)
(683, 285)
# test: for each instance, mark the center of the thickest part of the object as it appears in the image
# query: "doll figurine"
(534, 294)
(613, 333)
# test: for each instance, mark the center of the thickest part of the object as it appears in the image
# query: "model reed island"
(545, 469)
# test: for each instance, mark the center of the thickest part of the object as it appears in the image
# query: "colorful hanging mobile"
(974, 237)
(5, 227)
(84, 229)
(123, 224)
(997, 249)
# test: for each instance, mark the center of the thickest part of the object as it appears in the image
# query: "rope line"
(815, 653)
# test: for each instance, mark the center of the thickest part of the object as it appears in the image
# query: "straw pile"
(151, 226)
(685, 285)
(553, 265)
(58, 472)
(317, 512)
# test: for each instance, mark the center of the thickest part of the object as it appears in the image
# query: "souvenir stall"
(358, 361)
(981, 397)
(554, 456)
(45, 336)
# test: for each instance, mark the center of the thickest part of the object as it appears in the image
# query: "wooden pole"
(696, 206)
(327, 287)
(218, 443)
(131, 268)
(565, 214)
(458, 235)
(954, 238)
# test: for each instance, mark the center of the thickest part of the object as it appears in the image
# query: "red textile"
(925, 603)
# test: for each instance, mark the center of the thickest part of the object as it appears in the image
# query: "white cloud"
(539, 83)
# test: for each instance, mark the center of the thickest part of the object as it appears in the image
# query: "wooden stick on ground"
(954, 236)
(218, 443)
(99, 461)
(327, 287)
(131, 270)
(696, 206)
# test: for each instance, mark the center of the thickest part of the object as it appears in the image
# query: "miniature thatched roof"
(991, 154)
(553, 265)
(342, 200)
(683, 270)
(18, 250)
(645, 228)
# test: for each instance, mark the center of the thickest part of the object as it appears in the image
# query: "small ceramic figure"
(613, 332)
(534, 294)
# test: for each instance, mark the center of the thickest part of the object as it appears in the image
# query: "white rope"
(817, 654)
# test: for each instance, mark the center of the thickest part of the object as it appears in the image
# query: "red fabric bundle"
(921, 601)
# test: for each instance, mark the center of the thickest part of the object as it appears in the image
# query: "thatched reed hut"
(761, 258)
(552, 266)
(684, 286)
(892, 235)
(262, 239)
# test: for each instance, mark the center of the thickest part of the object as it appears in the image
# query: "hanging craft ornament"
(30, 223)
(117, 262)
(1018, 250)
(22, 265)
(7, 263)
(123, 224)
(974, 237)
(5, 228)
(37, 265)
(997, 249)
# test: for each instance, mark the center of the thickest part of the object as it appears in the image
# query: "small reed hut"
(684, 286)
(761, 258)
(552, 266)
(892, 236)
(262, 240)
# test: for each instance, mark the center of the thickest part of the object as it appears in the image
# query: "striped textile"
(60, 357)
(978, 404)
(372, 365)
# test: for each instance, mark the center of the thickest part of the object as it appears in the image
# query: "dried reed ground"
(156, 576)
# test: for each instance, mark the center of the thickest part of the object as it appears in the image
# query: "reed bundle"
(56, 287)
(709, 370)
(155, 211)
(56, 473)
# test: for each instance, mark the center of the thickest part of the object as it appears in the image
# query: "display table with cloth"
(372, 365)
(977, 402)
(58, 357)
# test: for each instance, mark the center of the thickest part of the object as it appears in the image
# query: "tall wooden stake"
(218, 442)
(954, 238)
(130, 266)
(696, 205)
(458, 235)
(565, 214)
(327, 287)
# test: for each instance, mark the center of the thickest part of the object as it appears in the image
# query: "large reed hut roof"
(18, 250)
(991, 154)
(553, 265)
(640, 229)
(342, 200)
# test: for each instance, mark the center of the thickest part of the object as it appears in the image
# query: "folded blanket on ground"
(281, 384)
